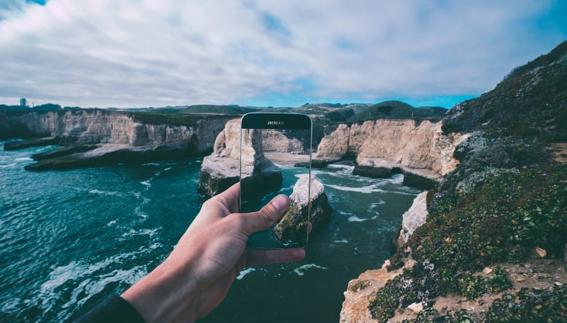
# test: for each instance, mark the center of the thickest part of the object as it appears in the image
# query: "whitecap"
(341, 166)
(397, 179)
(244, 272)
(8, 165)
(363, 189)
(151, 164)
(354, 218)
(300, 271)
(23, 159)
(341, 241)
(146, 183)
(167, 168)
(111, 223)
(132, 232)
(99, 192)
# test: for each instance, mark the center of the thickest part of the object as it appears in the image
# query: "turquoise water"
(68, 239)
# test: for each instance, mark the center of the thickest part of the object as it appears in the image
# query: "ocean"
(69, 239)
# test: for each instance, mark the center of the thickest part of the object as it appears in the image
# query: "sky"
(139, 53)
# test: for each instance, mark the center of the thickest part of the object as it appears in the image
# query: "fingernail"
(280, 202)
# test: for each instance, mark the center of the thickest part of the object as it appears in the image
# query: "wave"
(151, 164)
(245, 272)
(300, 271)
(8, 165)
(340, 166)
(354, 218)
(146, 183)
(109, 193)
(132, 233)
(363, 189)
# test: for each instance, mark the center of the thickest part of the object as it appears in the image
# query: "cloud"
(152, 53)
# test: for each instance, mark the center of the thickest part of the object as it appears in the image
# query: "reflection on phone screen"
(277, 161)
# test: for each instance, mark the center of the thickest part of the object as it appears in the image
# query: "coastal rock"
(421, 151)
(277, 141)
(362, 290)
(293, 225)
(221, 169)
(121, 137)
(335, 145)
(413, 218)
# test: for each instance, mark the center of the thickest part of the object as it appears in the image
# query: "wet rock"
(293, 225)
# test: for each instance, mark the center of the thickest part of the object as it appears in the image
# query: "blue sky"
(135, 53)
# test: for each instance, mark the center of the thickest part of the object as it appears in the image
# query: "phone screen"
(275, 158)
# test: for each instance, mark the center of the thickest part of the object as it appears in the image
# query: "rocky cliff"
(223, 167)
(489, 242)
(115, 136)
(381, 147)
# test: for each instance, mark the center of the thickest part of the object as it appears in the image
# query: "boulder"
(293, 225)
(221, 169)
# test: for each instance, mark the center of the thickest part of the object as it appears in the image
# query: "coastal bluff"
(105, 137)
(488, 243)
(419, 150)
(222, 168)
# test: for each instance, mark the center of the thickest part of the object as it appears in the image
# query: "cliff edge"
(493, 246)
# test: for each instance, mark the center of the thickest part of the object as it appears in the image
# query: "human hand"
(197, 275)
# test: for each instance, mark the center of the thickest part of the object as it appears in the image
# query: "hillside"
(494, 244)
(530, 102)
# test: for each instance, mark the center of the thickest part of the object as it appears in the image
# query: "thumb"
(268, 216)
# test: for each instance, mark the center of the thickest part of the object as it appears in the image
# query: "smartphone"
(275, 158)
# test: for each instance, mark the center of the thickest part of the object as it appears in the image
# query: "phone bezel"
(279, 121)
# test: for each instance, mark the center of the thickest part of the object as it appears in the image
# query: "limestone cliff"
(488, 243)
(105, 127)
(115, 136)
(386, 145)
(222, 168)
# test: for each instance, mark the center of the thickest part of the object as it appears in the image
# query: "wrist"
(166, 294)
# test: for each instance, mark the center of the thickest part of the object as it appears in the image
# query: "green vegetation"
(501, 217)
(530, 305)
(530, 102)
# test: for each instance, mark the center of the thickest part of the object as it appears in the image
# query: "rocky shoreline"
(97, 137)
(488, 243)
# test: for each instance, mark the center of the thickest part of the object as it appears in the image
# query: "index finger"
(230, 198)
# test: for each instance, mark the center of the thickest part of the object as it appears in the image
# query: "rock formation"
(413, 218)
(292, 227)
(383, 147)
(493, 245)
(276, 141)
(334, 146)
(113, 137)
(221, 169)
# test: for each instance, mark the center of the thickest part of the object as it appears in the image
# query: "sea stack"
(293, 225)
(221, 169)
